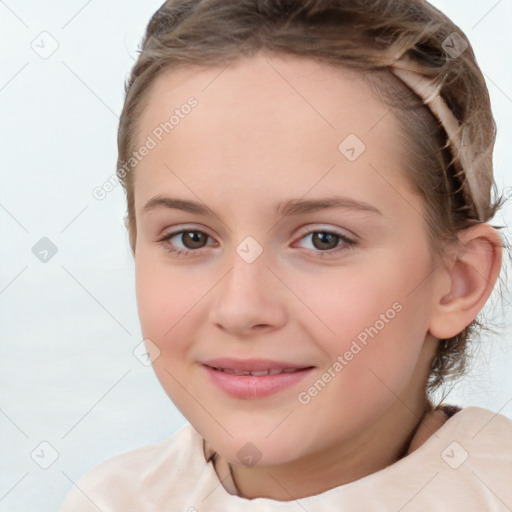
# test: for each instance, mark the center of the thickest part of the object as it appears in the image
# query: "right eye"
(185, 242)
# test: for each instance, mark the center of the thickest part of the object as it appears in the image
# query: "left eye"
(326, 240)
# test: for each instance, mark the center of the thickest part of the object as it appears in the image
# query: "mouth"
(255, 378)
(259, 373)
(255, 367)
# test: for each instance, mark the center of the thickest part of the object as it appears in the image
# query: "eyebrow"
(298, 206)
(159, 202)
(288, 208)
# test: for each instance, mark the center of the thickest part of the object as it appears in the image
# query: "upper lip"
(252, 365)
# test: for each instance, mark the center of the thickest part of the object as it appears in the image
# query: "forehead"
(269, 119)
(333, 98)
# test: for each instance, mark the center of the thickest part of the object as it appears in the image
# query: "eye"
(185, 242)
(328, 242)
(189, 242)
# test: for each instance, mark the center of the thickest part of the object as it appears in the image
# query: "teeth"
(234, 372)
(259, 373)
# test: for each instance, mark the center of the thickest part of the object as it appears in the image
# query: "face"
(276, 230)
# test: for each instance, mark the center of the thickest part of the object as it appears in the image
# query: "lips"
(260, 373)
(258, 367)
(254, 378)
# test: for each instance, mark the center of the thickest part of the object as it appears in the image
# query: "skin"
(253, 142)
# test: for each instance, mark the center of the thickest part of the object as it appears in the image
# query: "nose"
(249, 300)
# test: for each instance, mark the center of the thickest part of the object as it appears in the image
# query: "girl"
(309, 185)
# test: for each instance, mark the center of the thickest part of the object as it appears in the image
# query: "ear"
(468, 280)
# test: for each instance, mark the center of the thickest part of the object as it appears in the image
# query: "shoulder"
(470, 457)
(478, 434)
(480, 426)
(129, 480)
(466, 464)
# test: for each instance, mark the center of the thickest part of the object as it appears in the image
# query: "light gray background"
(68, 376)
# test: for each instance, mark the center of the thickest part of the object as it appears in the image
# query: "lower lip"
(250, 386)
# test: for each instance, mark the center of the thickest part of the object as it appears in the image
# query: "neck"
(387, 440)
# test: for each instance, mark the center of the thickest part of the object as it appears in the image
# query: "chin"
(255, 451)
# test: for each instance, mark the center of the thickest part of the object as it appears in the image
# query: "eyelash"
(347, 243)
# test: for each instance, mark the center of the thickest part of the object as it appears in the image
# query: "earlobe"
(472, 275)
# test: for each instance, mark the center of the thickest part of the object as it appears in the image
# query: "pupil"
(193, 239)
(325, 238)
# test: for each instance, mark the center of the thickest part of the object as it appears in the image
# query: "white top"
(465, 466)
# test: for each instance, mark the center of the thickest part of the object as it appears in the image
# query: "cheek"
(351, 299)
(162, 299)
(172, 303)
(372, 315)
(165, 307)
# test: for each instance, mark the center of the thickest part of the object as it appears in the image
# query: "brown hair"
(368, 36)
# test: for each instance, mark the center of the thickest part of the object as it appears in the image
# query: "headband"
(477, 169)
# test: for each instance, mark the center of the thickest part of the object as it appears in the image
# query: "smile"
(256, 378)
(260, 373)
